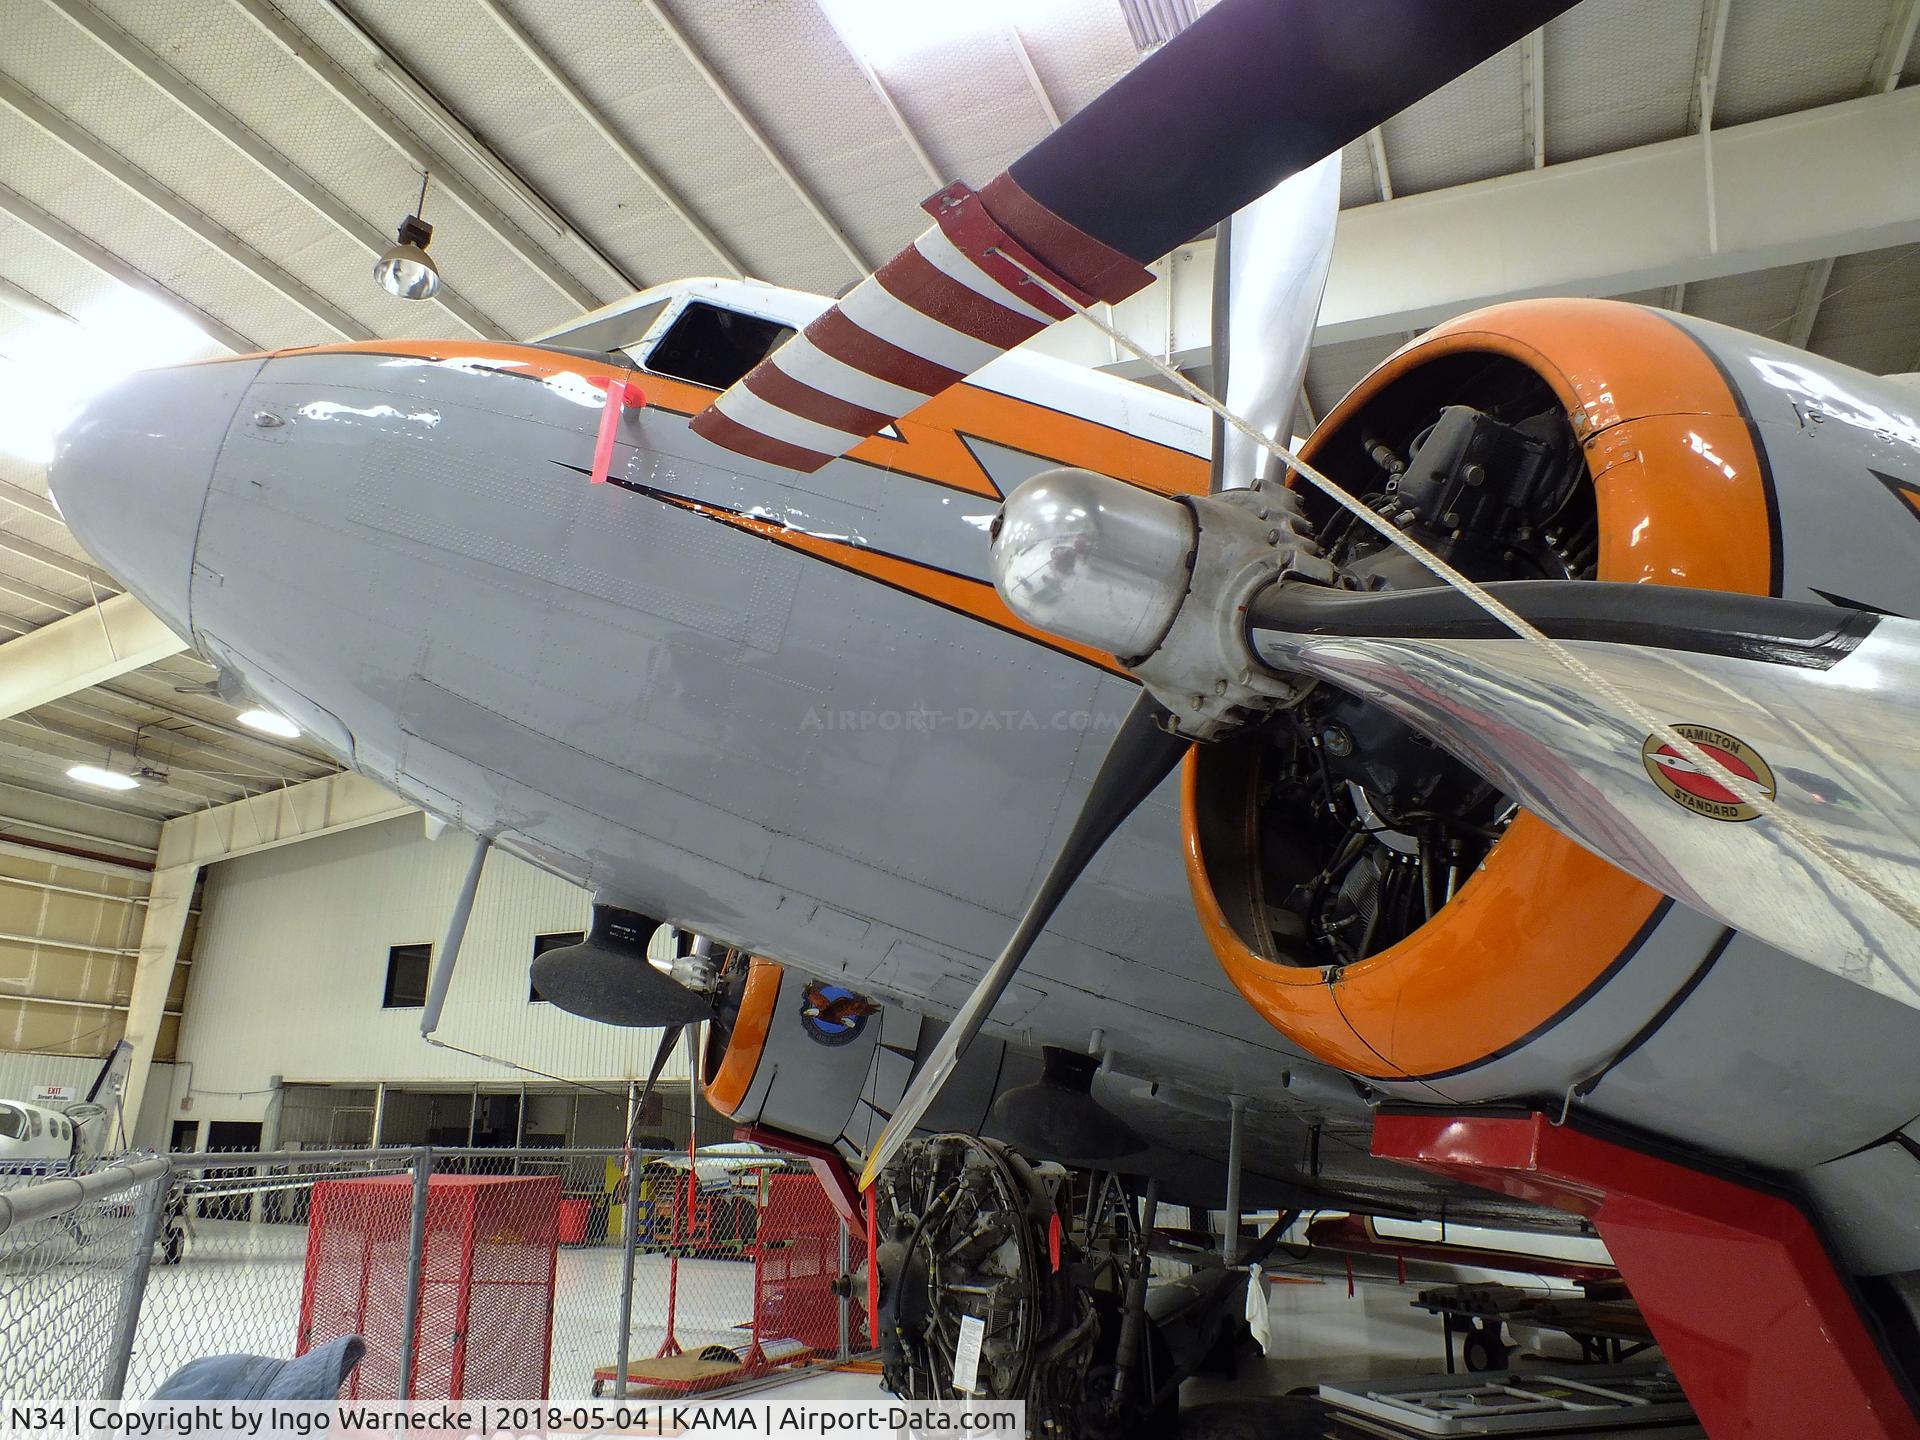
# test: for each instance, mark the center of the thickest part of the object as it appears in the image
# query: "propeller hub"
(1162, 584)
(1093, 560)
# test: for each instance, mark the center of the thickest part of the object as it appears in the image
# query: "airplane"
(836, 632)
(61, 1133)
(735, 1164)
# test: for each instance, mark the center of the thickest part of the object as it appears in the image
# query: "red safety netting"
(485, 1325)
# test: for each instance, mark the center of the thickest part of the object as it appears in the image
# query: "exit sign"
(44, 1093)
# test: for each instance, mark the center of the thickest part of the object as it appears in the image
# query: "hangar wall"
(290, 967)
(71, 906)
(19, 1073)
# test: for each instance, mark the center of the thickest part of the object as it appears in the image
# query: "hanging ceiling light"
(405, 269)
(101, 777)
(270, 722)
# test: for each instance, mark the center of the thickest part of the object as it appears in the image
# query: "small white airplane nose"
(131, 475)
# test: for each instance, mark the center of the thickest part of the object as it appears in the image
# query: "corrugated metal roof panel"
(1619, 75)
(1469, 130)
(1078, 52)
(1359, 180)
(805, 87)
(1786, 55)
(99, 207)
(646, 88)
(1871, 315)
(238, 66)
(491, 85)
(970, 103)
(1762, 302)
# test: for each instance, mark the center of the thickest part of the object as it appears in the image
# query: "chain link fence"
(471, 1273)
(71, 1269)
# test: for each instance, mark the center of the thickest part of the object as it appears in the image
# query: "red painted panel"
(1764, 1332)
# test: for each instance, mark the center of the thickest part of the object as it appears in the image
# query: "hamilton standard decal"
(1686, 785)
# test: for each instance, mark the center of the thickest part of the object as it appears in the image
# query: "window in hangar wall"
(407, 967)
(542, 944)
(545, 1116)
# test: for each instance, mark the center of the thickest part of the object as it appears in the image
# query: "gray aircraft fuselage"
(785, 711)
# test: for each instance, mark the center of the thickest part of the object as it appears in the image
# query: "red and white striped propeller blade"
(1252, 92)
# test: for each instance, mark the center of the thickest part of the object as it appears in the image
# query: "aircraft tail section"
(97, 1119)
(111, 1083)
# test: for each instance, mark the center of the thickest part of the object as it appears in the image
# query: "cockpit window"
(713, 347)
(13, 1125)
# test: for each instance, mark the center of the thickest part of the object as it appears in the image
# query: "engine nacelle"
(811, 1058)
(1502, 961)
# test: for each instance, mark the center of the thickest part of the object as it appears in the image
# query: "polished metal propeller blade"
(1143, 753)
(1816, 708)
(669, 1037)
(1269, 273)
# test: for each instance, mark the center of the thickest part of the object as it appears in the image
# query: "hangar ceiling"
(240, 162)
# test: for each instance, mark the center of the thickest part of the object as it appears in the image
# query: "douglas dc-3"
(1572, 881)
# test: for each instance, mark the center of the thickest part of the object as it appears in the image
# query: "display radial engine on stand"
(999, 1279)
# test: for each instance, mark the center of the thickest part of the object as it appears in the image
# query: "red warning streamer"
(621, 395)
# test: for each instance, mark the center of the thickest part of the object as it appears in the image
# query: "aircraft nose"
(131, 475)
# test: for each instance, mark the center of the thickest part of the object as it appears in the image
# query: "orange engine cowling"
(807, 1058)
(1681, 492)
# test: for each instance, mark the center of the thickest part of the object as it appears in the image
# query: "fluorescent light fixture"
(887, 31)
(51, 367)
(270, 722)
(104, 779)
(1154, 22)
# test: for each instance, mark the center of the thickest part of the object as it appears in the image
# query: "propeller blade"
(1270, 271)
(1252, 92)
(1142, 754)
(1816, 708)
(669, 1037)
